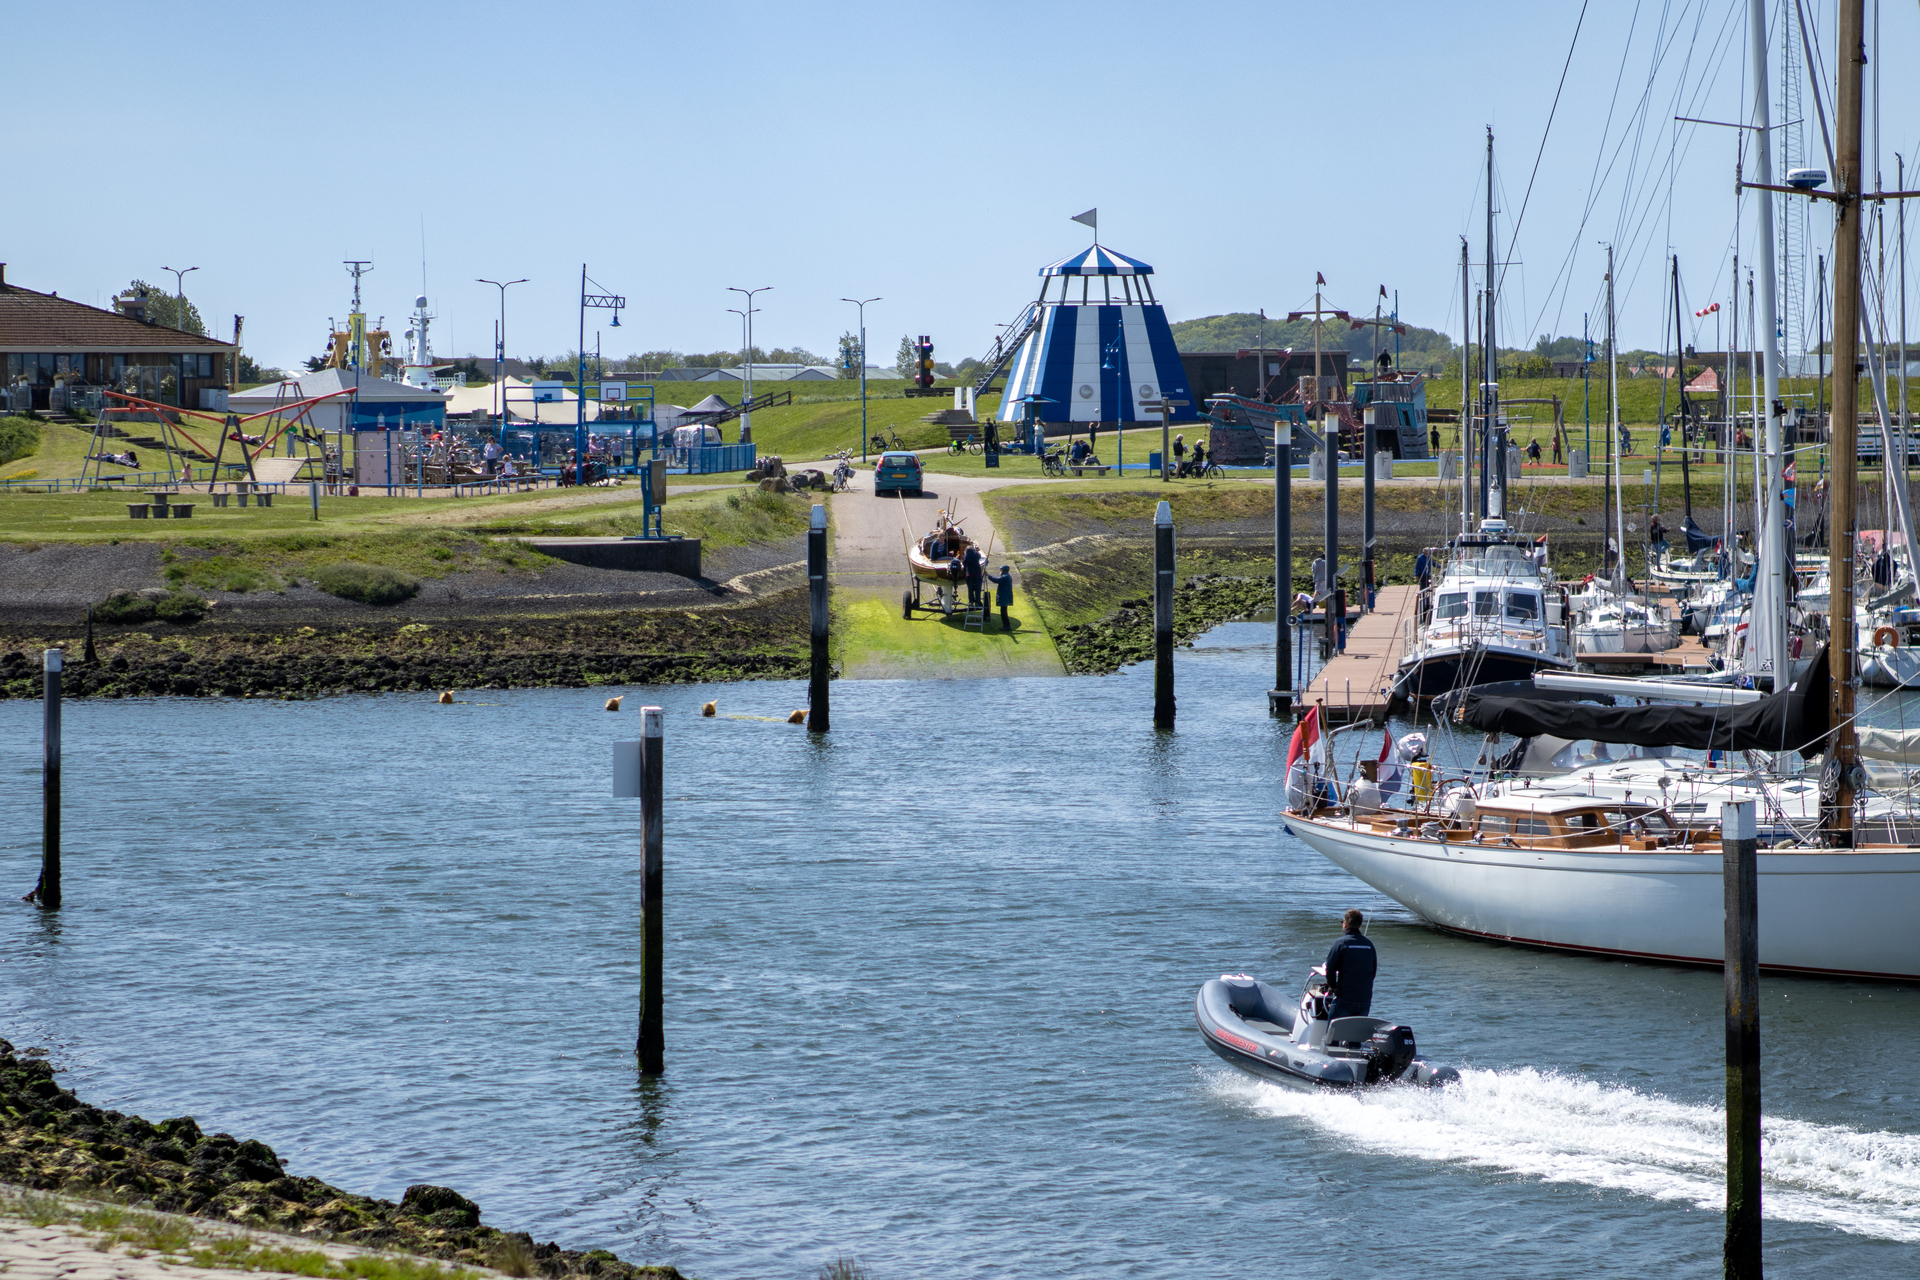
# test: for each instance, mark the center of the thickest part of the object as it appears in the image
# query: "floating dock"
(1355, 685)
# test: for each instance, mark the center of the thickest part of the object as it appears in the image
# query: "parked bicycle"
(1053, 461)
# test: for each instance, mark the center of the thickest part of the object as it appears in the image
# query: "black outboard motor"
(1390, 1051)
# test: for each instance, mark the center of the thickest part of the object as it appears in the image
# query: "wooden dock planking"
(1689, 657)
(1355, 685)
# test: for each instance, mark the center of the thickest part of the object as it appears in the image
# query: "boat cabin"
(1562, 822)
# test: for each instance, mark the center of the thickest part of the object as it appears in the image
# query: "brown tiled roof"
(32, 321)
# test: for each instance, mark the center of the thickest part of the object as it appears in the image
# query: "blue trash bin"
(1153, 460)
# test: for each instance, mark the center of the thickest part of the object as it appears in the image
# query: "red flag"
(1383, 291)
(1386, 748)
(1307, 740)
(1318, 278)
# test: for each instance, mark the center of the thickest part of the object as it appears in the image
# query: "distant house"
(52, 346)
(372, 404)
(1569, 368)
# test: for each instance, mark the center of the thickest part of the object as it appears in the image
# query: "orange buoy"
(798, 717)
(446, 698)
(1887, 636)
(709, 708)
(613, 704)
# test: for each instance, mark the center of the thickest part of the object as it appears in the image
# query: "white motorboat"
(1593, 874)
(1495, 615)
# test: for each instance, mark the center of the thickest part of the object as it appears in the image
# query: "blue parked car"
(897, 470)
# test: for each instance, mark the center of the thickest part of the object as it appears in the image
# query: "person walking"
(1352, 964)
(1003, 593)
(1423, 569)
(1556, 449)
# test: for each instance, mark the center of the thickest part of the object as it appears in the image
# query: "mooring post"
(313, 496)
(1163, 616)
(1280, 697)
(1337, 621)
(817, 719)
(48, 894)
(1366, 521)
(1739, 854)
(652, 1045)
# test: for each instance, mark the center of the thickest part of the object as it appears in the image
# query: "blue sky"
(931, 155)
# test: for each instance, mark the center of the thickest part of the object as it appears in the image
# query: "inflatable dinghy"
(1250, 1024)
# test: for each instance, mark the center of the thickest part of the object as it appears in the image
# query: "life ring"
(1887, 636)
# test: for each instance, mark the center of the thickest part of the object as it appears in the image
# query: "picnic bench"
(1082, 468)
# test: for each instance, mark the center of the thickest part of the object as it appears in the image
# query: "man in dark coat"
(1002, 592)
(1351, 964)
(971, 563)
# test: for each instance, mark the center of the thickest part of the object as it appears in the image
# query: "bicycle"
(1053, 462)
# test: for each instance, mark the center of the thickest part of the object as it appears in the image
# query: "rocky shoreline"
(1125, 636)
(764, 640)
(51, 1141)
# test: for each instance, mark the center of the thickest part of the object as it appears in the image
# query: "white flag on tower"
(1091, 217)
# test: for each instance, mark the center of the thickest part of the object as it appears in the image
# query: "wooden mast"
(1852, 57)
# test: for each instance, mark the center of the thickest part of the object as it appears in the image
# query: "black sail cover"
(1792, 721)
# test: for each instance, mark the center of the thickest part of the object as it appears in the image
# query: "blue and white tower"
(1096, 359)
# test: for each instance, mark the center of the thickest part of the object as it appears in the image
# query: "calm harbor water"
(930, 1001)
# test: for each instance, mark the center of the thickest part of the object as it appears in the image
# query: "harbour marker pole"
(652, 1046)
(817, 717)
(1280, 697)
(1163, 616)
(1740, 872)
(48, 892)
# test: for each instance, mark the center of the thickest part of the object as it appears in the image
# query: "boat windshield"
(1452, 605)
(1499, 561)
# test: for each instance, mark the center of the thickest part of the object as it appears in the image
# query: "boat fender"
(1886, 636)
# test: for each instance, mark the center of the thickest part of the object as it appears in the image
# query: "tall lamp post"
(500, 357)
(862, 304)
(180, 291)
(746, 417)
(608, 301)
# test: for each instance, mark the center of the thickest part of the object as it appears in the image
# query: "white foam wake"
(1564, 1129)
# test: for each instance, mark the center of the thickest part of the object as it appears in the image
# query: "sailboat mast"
(1686, 405)
(1466, 395)
(1773, 523)
(1613, 442)
(1496, 462)
(1851, 55)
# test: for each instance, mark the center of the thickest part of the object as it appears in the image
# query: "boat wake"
(1563, 1129)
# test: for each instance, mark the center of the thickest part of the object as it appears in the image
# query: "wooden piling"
(48, 892)
(1740, 873)
(817, 680)
(1163, 617)
(652, 1044)
(313, 496)
(1366, 522)
(1280, 697)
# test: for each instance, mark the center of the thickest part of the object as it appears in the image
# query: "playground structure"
(1090, 360)
(288, 423)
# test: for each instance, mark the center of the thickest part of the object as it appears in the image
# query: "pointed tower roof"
(1098, 261)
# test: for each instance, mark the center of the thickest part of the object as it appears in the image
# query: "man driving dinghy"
(1351, 965)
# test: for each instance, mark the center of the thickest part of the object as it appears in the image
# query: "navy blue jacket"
(1351, 963)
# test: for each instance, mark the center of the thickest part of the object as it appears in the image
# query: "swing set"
(249, 448)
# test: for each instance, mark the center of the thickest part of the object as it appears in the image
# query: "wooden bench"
(1083, 468)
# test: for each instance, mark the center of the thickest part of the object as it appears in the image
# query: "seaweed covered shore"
(759, 641)
(51, 1141)
(1126, 635)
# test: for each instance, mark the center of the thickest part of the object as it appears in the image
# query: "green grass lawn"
(872, 640)
(236, 549)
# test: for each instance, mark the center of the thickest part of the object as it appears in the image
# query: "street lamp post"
(746, 416)
(862, 304)
(608, 301)
(180, 293)
(500, 357)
